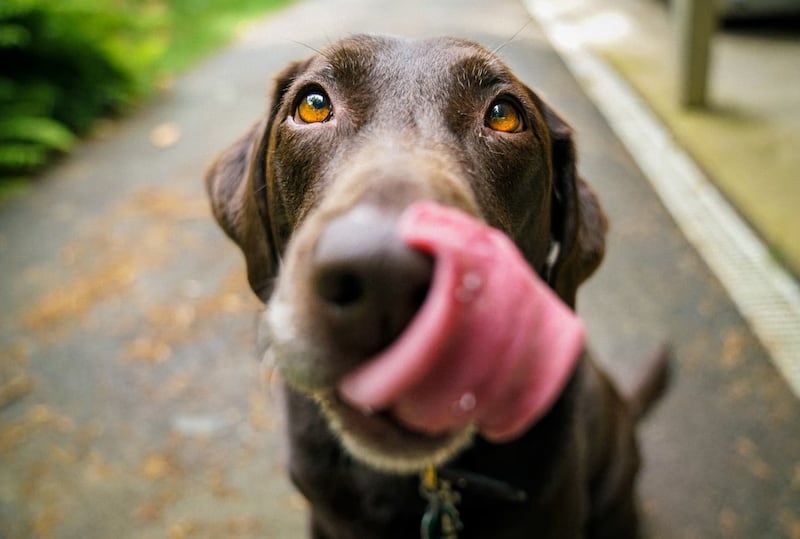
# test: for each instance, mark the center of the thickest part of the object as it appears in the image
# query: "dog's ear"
(579, 225)
(236, 184)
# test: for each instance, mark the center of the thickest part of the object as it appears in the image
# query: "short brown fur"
(408, 124)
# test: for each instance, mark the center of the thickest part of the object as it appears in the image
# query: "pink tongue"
(491, 346)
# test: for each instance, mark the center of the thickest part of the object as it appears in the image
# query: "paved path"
(131, 400)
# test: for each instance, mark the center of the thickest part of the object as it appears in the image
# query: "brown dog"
(354, 136)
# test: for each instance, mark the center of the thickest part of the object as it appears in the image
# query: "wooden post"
(695, 21)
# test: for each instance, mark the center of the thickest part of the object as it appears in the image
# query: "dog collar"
(442, 490)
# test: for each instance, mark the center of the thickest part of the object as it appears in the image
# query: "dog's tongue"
(491, 346)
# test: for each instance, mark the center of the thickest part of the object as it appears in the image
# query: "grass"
(197, 27)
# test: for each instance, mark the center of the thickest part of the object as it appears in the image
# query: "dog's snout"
(367, 283)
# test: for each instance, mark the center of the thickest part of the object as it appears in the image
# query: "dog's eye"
(504, 116)
(313, 107)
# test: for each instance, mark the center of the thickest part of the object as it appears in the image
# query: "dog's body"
(577, 468)
(354, 136)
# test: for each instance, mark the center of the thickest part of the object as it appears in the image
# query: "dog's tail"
(650, 387)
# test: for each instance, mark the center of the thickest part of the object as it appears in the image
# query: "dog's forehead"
(411, 64)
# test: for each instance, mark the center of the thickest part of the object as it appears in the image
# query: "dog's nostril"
(340, 288)
(366, 282)
(419, 294)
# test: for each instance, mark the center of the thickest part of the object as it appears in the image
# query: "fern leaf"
(13, 35)
(21, 156)
(43, 131)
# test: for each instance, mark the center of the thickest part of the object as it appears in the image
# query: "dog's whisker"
(307, 46)
(500, 47)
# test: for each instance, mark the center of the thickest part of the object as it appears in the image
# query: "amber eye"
(504, 116)
(313, 107)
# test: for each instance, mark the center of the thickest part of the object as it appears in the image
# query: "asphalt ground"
(131, 400)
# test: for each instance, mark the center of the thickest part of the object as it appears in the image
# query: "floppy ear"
(578, 223)
(236, 184)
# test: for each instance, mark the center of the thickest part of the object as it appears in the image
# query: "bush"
(64, 63)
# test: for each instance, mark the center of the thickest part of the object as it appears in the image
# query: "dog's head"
(356, 134)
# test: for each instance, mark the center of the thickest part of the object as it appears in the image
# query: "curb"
(765, 294)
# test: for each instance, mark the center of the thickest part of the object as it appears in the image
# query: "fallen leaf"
(180, 530)
(732, 346)
(148, 350)
(71, 301)
(18, 387)
(165, 135)
(728, 521)
(749, 451)
(46, 522)
(791, 524)
(219, 486)
(156, 466)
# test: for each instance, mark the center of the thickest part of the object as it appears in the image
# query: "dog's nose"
(368, 284)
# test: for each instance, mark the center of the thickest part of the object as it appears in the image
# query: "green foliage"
(196, 27)
(64, 63)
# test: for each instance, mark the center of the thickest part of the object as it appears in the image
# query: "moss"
(752, 163)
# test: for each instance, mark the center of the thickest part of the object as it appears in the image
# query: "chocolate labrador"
(313, 194)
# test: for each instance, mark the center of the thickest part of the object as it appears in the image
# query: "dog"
(353, 137)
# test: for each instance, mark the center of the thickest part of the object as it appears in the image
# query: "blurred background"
(132, 403)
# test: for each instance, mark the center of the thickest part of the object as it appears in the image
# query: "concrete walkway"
(746, 140)
(131, 403)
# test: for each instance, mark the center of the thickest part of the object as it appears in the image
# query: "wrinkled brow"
(478, 72)
(347, 63)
